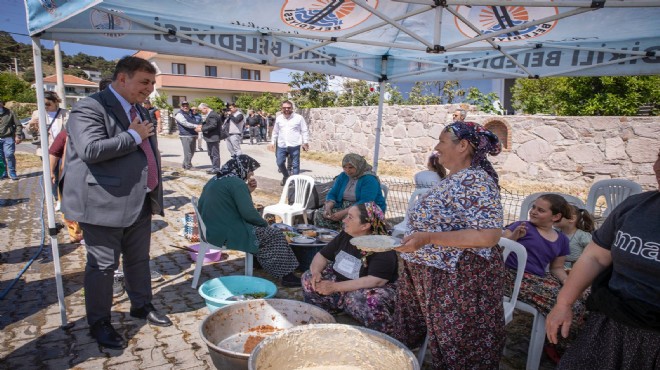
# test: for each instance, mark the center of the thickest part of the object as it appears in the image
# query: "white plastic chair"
(527, 202)
(509, 302)
(303, 186)
(400, 228)
(385, 190)
(204, 246)
(615, 191)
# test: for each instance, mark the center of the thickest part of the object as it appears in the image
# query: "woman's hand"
(327, 209)
(560, 316)
(325, 287)
(337, 216)
(413, 242)
(316, 278)
(519, 231)
(252, 184)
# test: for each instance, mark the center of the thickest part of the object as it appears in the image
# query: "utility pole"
(16, 65)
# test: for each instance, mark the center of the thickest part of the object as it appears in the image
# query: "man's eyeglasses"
(48, 104)
(287, 108)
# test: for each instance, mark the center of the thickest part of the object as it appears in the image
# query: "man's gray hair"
(462, 113)
(203, 105)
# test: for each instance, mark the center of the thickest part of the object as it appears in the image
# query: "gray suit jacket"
(105, 170)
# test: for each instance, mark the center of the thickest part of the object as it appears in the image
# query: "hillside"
(73, 64)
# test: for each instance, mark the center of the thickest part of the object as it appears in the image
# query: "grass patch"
(25, 161)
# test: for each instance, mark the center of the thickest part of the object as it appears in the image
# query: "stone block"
(642, 150)
(514, 164)
(534, 151)
(648, 130)
(549, 134)
(615, 148)
(602, 169)
(586, 153)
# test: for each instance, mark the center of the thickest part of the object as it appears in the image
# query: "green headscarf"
(360, 164)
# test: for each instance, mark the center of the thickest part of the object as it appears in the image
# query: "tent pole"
(59, 73)
(381, 99)
(48, 188)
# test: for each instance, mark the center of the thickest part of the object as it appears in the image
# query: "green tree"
(587, 96)
(422, 93)
(311, 90)
(483, 101)
(14, 88)
(268, 103)
(245, 102)
(160, 101)
(214, 102)
(357, 93)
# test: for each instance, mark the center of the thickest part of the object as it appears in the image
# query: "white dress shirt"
(290, 131)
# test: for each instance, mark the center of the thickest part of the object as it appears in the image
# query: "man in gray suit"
(113, 170)
(211, 130)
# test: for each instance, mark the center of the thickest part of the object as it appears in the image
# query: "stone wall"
(567, 151)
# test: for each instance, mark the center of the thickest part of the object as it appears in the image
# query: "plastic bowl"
(216, 291)
(211, 255)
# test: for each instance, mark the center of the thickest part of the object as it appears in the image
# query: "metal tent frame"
(374, 40)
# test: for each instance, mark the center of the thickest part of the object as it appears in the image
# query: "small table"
(305, 253)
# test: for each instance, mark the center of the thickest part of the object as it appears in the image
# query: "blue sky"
(13, 20)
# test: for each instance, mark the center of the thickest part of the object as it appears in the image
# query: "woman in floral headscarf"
(452, 279)
(231, 219)
(358, 283)
(356, 185)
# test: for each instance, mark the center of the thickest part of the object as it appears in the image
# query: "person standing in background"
(11, 133)
(262, 125)
(254, 121)
(459, 115)
(211, 131)
(236, 124)
(187, 125)
(154, 115)
(290, 134)
(198, 121)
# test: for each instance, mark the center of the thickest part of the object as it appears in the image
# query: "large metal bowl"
(333, 346)
(227, 330)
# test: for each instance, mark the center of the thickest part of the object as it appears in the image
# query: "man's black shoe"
(283, 181)
(212, 172)
(106, 335)
(149, 313)
(291, 281)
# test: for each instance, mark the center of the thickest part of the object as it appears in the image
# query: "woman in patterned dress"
(341, 277)
(231, 219)
(451, 283)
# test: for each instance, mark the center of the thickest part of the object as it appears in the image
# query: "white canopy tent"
(374, 40)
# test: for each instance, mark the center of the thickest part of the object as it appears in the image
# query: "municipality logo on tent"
(324, 15)
(101, 20)
(491, 19)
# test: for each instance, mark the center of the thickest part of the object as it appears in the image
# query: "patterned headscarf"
(376, 218)
(238, 166)
(360, 164)
(483, 142)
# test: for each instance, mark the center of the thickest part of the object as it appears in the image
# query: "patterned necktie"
(152, 166)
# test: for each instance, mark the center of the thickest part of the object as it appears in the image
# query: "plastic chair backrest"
(303, 186)
(521, 254)
(385, 190)
(200, 223)
(527, 202)
(414, 197)
(615, 191)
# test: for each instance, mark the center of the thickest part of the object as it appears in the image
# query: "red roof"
(70, 80)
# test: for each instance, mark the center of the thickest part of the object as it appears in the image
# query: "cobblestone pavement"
(31, 335)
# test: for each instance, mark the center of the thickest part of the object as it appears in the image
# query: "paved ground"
(30, 326)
